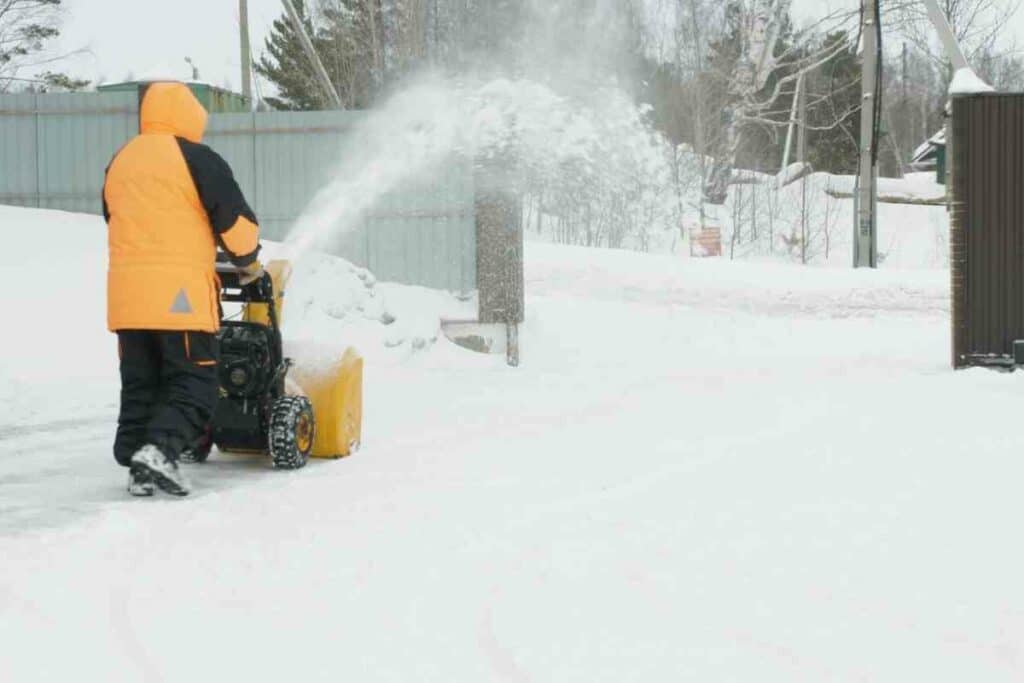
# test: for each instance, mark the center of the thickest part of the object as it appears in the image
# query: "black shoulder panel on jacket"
(103, 191)
(220, 194)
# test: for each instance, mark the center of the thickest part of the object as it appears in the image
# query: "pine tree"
(351, 47)
(351, 39)
(286, 65)
(835, 122)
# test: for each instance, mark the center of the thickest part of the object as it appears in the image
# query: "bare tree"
(918, 72)
(754, 101)
(979, 26)
(26, 26)
(754, 74)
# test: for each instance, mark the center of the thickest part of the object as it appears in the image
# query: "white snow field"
(703, 471)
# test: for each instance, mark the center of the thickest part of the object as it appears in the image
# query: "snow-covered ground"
(703, 471)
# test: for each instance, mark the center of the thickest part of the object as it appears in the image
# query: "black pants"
(168, 390)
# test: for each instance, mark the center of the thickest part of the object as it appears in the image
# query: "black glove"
(250, 273)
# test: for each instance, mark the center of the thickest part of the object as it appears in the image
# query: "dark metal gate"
(987, 229)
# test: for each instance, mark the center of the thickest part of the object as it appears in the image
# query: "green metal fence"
(54, 149)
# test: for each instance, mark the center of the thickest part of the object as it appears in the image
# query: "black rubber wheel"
(199, 451)
(292, 431)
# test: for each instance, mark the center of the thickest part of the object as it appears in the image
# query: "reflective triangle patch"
(181, 303)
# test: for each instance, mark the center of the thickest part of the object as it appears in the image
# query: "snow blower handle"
(250, 273)
(238, 276)
(255, 286)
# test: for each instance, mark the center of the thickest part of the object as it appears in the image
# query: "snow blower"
(270, 404)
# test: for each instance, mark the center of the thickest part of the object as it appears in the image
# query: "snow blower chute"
(282, 407)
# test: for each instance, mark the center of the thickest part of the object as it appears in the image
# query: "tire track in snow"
(19, 431)
(500, 659)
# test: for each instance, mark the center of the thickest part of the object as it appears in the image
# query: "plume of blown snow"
(413, 133)
(571, 126)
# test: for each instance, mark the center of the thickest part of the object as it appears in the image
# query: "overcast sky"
(136, 37)
(125, 37)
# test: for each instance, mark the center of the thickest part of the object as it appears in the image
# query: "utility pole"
(243, 23)
(801, 157)
(865, 238)
(330, 94)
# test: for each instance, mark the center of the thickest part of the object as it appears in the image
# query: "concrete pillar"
(499, 248)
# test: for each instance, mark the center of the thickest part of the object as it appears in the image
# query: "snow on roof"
(926, 149)
(793, 173)
(164, 71)
(966, 82)
(912, 188)
(923, 150)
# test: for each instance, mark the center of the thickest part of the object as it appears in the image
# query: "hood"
(171, 108)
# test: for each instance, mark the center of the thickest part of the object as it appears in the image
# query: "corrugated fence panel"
(296, 154)
(19, 168)
(78, 134)
(427, 229)
(422, 232)
(54, 149)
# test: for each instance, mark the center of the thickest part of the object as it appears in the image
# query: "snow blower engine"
(254, 413)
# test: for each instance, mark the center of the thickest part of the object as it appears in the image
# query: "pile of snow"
(332, 304)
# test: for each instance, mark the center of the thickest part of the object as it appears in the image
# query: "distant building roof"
(163, 71)
(927, 151)
(215, 100)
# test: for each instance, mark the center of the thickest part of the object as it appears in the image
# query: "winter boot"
(139, 482)
(161, 470)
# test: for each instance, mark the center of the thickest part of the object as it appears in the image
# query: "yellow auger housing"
(335, 390)
(337, 396)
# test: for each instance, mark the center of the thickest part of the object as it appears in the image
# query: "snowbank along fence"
(987, 230)
(55, 147)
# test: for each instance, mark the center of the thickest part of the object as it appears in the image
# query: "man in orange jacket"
(169, 202)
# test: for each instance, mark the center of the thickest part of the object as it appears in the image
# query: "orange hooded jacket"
(169, 201)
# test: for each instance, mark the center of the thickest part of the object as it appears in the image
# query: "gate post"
(956, 137)
(987, 229)
(499, 247)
